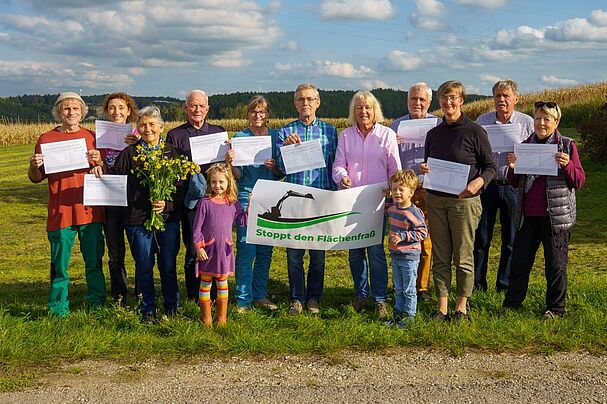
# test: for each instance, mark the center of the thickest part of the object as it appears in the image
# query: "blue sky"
(165, 47)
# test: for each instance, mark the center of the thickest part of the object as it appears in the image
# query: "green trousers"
(91, 246)
(452, 224)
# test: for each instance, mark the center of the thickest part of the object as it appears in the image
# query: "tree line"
(334, 104)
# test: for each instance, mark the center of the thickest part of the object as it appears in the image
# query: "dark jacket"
(138, 196)
(560, 189)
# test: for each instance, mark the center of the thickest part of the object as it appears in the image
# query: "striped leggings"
(204, 294)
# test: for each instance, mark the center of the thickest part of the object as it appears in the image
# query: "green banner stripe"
(261, 222)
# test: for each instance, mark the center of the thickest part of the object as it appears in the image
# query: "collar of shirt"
(192, 130)
(301, 123)
(371, 132)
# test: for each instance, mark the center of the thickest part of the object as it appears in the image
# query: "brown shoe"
(359, 303)
(296, 307)
(221, 313)
(242, 309)
(312, 306)
(381, 310)
(265, 303)
(205, 313)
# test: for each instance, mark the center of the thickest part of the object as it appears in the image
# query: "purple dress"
(212, 230)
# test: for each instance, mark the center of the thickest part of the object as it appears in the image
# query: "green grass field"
(31, 340)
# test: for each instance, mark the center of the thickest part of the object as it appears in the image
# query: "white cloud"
(229, 59)
(522, 36)
(559, 81)
(489, 78)
(426, 15)
(599, 17)
(398, 60)
(482, 3)
(345, 70)
(576, 29)
(448, 39)
(372, 84)
(322, 68)
(133, 33)
(484, 53)
(290, 46)
(53, 76)
(136, 71)
(429, 7)
(274, 6)
(571, 33)
(357, 9)
(427, 23)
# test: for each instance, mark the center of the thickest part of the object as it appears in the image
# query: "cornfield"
(579, 105)
(17, 133)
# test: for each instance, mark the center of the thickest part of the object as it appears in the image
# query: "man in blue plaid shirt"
(307, 127)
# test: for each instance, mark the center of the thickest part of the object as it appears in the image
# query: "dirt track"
(390, 376)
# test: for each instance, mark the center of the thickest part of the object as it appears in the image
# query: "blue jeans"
(145, 246)
(404, 275)
(252, 267)
(316, 274)
(494, 198)
(368, 265)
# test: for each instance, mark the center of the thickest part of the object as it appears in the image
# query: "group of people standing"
(428, 231)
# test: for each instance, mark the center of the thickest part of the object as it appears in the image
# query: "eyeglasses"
(260, 113)
(302, 100)
(451, 98)
(549, 104)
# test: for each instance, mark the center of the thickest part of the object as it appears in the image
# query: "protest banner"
(296, 216)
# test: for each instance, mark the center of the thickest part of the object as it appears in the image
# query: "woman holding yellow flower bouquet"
(155, 196)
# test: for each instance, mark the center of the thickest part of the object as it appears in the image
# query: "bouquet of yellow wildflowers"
(159, 174)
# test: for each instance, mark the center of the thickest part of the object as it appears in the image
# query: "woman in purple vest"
(545, 214)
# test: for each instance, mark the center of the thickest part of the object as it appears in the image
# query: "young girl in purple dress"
(217, 212)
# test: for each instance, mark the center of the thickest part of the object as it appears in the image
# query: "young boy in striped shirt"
(407, 229)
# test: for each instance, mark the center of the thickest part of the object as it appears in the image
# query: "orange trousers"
(425, 260)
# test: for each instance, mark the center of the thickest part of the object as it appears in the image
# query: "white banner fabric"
(296, 216)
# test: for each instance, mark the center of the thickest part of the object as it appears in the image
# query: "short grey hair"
(370, 98)
(151, 111)
(195, 91)
(306, 86)
(424, 87)
(505, 83)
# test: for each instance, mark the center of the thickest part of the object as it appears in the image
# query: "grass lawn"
(30, 339)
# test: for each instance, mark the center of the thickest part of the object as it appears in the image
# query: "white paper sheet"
(446, 176)
(107, 190)
(110, 135)
(533, 158)
(251, 150)
(302, 156)
(415, 130)
(66, 155)
(503, 137)
(209, 148)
